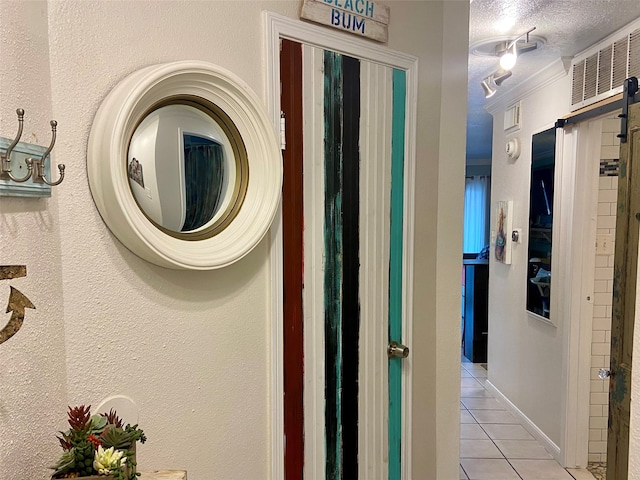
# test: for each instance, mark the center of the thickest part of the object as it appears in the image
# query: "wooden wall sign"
(361, 17)
(18, 302)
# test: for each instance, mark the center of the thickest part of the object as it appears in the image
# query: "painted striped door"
(352, 149)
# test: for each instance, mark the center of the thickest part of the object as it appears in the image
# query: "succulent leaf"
(79, 418)
(117, 438)
(98, 424)
(112, 418)
(66, 463)
(65, 440)
(136, 433)
(84, 453)
(108, 460)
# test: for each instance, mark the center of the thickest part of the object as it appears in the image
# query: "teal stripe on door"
(333, 261)
(395, 271)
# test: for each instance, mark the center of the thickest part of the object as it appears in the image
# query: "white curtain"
(475, 213)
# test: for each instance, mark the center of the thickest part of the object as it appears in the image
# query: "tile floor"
(493, 445)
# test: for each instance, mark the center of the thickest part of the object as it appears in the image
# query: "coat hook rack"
(35, 164)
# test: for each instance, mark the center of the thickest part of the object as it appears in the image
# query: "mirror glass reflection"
(543, 156)
(182, 168)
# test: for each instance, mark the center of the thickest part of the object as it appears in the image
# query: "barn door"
(344, 248)
(624, 299)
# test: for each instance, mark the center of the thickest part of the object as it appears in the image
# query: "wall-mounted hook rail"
(12, 167)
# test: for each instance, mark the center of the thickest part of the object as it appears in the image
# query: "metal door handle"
(604, 373)
(396, 350)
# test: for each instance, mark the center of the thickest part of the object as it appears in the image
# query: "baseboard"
(527, 424)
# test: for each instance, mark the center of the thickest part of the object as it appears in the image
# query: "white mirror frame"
(118, 116)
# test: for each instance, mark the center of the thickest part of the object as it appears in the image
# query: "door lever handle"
(396, 350)
(605, 373)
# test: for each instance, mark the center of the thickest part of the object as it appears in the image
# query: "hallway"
(493, 445)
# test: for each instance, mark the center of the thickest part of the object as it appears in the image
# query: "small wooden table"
(164, 475)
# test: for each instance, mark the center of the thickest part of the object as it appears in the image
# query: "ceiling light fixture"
(489, 87)
(508, 53)
(500, 76)
(509, 57)
(492, 82)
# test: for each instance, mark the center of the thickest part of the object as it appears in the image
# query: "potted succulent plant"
(98, 447)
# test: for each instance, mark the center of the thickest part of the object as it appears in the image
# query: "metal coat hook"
(6, 157)
(38, 165)
(35, 166)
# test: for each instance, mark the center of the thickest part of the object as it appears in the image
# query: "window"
(476, 196)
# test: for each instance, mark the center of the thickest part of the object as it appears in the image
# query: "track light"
(508, 52)
(509, 57)
(492, 82)
(501, 76)
(489, 87)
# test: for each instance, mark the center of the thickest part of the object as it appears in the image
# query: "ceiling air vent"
(620, 55)
(591, 76)
(577, 89)
(604, 70)
(634, 54)
(601, 71)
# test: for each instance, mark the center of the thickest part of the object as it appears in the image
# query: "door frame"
(277, 27)
(581, 146)
(583, 140)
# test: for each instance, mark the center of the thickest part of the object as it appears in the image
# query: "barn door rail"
(630, 96)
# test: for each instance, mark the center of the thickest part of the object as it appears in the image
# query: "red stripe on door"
(292, 218)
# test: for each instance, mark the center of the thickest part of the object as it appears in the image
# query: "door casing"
(580, 152)
(582, 144)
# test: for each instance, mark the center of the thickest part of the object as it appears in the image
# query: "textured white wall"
(433, 31)
(525, 354)
(451, 173)
(32, 363)
(192, 348)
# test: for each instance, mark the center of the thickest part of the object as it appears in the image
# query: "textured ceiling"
(568, 26)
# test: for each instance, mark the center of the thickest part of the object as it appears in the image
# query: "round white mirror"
(187, 169)
(184, 165)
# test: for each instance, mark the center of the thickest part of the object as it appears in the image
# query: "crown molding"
(552, 72)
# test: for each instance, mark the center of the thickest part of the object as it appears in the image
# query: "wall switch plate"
(604, 244)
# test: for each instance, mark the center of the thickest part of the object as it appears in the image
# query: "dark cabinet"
(475, 310)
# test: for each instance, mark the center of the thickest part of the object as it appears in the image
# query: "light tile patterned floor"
(493, 445)
(598, 470)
